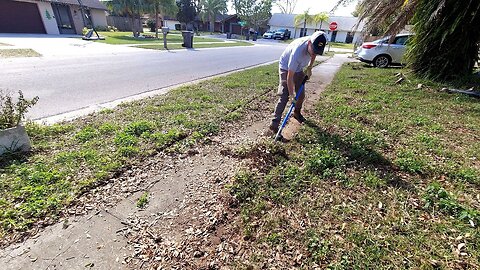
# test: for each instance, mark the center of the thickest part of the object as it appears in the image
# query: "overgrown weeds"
(381, 177)
(71, 158)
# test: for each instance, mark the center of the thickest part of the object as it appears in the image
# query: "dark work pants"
(283, 93)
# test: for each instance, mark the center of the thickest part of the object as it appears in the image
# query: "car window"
(402, 40)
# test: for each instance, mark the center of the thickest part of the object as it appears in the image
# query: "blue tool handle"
(287, 116)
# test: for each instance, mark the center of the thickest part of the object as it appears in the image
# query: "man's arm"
(308, 71)
(291, 83)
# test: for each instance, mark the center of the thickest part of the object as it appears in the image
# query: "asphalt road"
(65, 84)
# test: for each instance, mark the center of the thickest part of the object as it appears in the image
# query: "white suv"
(382, 54)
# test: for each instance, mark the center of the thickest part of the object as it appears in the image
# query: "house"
(50, 16)
(347, 30)
(223, 24)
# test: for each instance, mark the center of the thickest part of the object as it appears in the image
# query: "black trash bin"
(247, 36)
(187, 39)
(229, 35)
(254, 37)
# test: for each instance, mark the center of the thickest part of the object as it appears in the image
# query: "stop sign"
(333, 26)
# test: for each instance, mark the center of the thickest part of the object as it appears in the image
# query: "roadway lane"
(70, 83)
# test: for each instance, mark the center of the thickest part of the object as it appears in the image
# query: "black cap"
(319, 41)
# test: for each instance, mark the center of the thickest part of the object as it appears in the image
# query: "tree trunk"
(321, 23)
(132, 20)
(212, 24)
(304, 27)
(156, 20)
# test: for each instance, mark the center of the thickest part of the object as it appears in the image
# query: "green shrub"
(12, 113)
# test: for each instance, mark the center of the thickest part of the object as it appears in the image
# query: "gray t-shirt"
(296, 56)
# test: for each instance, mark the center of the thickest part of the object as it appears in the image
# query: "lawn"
(340, 45)
(71, 158)
(11, 53)
(127, 38)
(197, 45)
(382, 176)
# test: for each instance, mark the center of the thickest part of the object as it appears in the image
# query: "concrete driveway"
(63, 45)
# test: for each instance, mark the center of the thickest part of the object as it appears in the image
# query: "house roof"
(87, 3)
(344, 23)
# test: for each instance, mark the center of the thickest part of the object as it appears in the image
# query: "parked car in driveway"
(282, 34)
(268, 34)
(382, 54)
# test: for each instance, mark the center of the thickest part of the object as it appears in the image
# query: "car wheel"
(381, 61)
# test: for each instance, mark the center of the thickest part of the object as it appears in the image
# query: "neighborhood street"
(65, 84)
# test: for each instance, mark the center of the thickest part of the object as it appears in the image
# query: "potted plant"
(13, 136)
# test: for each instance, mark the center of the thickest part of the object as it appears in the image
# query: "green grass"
(340, 45)
(71, 158)
(11, 53)
(197, 45)
(127, 38)
(382, 176)
(143, 200)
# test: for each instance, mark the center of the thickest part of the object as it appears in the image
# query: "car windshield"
(281, 30)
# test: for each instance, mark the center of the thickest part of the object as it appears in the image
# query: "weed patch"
(70, 158)
(380, 177)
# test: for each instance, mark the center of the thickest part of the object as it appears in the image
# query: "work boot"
(297, 115)
(273, 128)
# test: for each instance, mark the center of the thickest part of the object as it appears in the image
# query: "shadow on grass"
(360, 155)
(11, 158)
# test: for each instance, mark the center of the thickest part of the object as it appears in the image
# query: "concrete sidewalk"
(63, 45)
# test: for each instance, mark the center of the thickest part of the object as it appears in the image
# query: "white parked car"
(382, 54)
(268, 34)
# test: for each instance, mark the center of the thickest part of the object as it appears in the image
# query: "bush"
(11, 113)
(151, 24)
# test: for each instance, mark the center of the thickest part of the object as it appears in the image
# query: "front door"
(334, 36)
(64, 19)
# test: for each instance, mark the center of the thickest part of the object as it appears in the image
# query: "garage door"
(20, 17)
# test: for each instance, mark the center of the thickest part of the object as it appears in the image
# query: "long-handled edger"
(279, 136)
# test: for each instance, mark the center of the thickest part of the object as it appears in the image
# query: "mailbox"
(165, 30)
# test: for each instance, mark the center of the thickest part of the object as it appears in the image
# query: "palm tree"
(210, 8)
(303, 18)
(446, 41)
(320, 18)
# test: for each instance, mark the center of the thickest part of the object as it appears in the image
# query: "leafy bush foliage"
(11, 112)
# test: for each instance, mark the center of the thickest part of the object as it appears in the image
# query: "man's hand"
(294, 101)
(308, 72)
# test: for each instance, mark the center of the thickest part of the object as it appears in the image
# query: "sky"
(317, 6)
